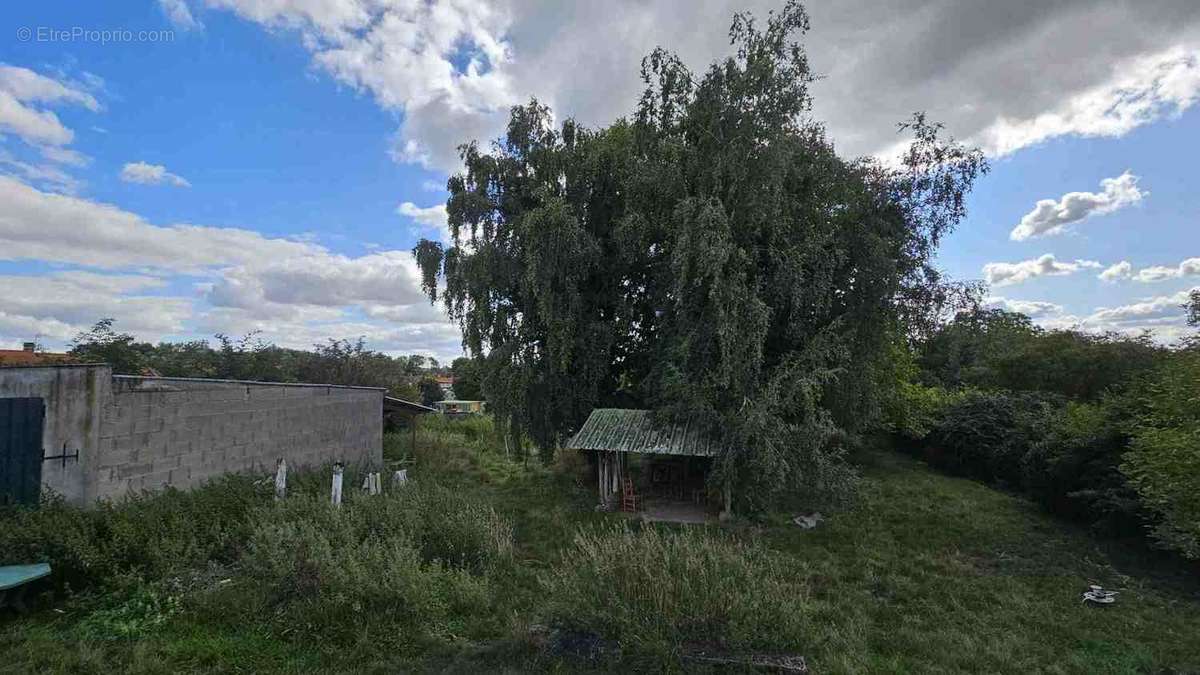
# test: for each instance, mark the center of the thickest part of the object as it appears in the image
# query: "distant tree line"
(336, 361)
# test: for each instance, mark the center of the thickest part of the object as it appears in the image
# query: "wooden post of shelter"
(410, 411)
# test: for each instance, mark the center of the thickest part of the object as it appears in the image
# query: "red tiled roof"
(20, 357)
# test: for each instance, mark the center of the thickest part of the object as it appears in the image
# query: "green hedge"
(1163, 463)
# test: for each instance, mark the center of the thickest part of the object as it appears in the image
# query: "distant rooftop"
(29, 356)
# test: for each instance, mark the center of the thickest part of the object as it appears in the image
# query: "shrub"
(1163, 463)
(461, 532)
(418, 555)
(135, 615)
(985, 435)
(1073, 468)
(915, 410)
(147, 535)
(650, 588)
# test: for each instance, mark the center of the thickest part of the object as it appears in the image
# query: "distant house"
(446, 382)
(29, 355)
(452, 407)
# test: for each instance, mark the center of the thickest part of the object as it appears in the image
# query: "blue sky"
(237, 165)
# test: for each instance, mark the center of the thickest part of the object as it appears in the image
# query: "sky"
(193, 167)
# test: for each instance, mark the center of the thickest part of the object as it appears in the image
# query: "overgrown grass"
(928, 574)
(650, 589)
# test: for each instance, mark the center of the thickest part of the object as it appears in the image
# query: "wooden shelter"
(616, 433)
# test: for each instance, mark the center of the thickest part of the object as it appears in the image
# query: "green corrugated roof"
(624, 430)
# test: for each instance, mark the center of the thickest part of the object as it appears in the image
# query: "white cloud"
(29, 87)
(1005, 274)
(36, 225)
(46, 176)
(434, 338)
(1141, 90)
(1187, 268)
(1052, 217)
(21, 89)
(388, 278)
(1034, 309)
(65, 156)
(180, 15)
(151, 174)
(297, 292)
(444, 65)
(60, 305)
(24, 95)
(1158, 307)
(429, 218)
(1154, 273)
(1003, 79)
(1121, 270)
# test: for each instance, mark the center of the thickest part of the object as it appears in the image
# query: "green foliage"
(1073, 468)
(145, 536)
(134, 616)
(710, 258)
(910, 410)
(995, 349)
(651, 589)
(431, 392)
(1163, 463)
(915, 409)
(467, 386)
(1119, 453)
(413, 554)
(1192, 307)
(103, 344)
(965, 578)
(1063, 454)
(985, 435)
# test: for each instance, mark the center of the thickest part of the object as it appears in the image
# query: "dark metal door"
(21, 449)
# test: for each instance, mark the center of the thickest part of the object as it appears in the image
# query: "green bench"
(15, 578)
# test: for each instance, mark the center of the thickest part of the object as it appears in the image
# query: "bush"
(985, 435)
(1073, 468)
(146, 536)
(133, 616)
(1163, 463)
(417, 555)
(653, 589)
(915, 410)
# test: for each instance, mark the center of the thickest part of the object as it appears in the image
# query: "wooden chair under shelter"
(630, 501)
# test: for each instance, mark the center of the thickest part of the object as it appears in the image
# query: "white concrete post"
(336, 490)
(281, 478)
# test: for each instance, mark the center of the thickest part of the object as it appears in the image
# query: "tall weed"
(649, 588)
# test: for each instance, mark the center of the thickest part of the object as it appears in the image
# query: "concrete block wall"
(180, 432)
(143, 433)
